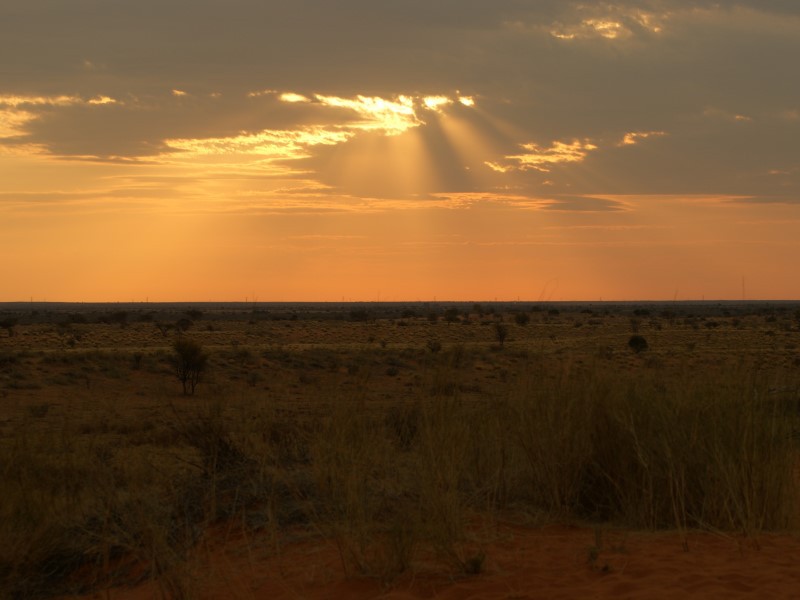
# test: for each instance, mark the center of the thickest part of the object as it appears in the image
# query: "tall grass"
(393, 481)
(652, 451)
(72, 504)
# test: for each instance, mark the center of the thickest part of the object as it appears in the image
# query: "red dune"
(521, 563)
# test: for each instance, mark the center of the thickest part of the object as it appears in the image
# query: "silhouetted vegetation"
(522, 318)
(359, 315)
(164, 328)
(500, 333)
(451, 315)
(8, 324)
(637, 343)
(189, 362)
(434, 346)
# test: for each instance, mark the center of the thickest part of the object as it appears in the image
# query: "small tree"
(8, 325)
(522, 318)
(500, 332)
(190, 362)
(164, 327)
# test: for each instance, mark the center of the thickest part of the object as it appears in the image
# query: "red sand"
(522, 563)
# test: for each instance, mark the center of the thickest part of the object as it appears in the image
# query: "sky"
(391, 150)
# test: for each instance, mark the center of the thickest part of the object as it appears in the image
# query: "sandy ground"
(522, 563)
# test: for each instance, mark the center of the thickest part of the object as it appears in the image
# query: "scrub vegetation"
(391, 434)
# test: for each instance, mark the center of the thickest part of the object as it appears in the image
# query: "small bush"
(500, 333)
(637, 343)
(163, 328)
(451, 315)
(522, 318)
(8, 325)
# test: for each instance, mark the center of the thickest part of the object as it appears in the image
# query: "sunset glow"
(499, 150)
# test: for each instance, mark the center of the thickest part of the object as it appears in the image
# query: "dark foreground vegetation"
(389, 430)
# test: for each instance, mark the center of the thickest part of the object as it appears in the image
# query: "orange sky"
(559, 152)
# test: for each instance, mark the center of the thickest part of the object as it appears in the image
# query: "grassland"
(396, 433)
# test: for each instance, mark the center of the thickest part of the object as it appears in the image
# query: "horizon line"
(247, 302)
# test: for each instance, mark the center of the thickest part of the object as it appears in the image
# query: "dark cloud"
(138, 127)
(710, 63)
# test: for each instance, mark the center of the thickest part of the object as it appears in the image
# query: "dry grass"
(386, 449)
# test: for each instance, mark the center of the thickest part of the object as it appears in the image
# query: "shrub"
(451, 315)
(637, 343)
(190, 362)
(359, 315)
(434, 346)
(522, 318)
(501, 333)
(119, 317)
(8, 325)
(164, 328)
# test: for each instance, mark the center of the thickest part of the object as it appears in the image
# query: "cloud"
(290, 97)
(12, 122)
(568, 91)
(633, 137)
(541, 159)
(390, 116)
(159, 125)
(612, 23)
(583, 204)
(792, 200)
(268, 144)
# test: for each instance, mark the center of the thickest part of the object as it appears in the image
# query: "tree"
(190, 363)
(164, 327)
(8, 325)
(500, 332)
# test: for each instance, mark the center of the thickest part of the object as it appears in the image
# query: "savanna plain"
(448, 450)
